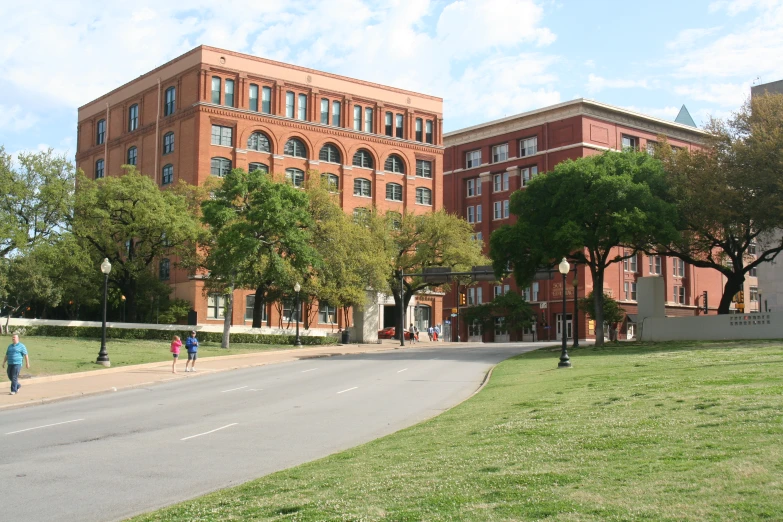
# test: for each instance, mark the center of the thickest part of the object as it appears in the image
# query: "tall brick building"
(211, 110)
(485, 163)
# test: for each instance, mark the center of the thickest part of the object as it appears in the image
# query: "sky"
(486, 58)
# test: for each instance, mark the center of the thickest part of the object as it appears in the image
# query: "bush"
(94, 332)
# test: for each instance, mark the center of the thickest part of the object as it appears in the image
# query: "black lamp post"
(565, 361)
(297, 341)
(575, 321)
(402, 308)
(103, 357)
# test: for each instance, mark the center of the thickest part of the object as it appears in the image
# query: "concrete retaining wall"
(171, 327)
(713, 327)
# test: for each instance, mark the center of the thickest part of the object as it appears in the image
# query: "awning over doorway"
(631, 318)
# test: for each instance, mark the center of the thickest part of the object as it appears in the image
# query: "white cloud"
(688, 37)
(596, 83)
(664, 113)
(724, 94)
(15, 119)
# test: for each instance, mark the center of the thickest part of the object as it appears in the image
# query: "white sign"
(543, 305)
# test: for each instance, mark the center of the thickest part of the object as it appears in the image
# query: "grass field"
(669, 432)
(55, 355)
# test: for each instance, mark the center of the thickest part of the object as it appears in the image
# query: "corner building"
(485, 163)
(211, 110)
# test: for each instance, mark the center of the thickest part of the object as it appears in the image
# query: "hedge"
(94, 332)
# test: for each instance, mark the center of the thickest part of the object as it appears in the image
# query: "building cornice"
(580, 107)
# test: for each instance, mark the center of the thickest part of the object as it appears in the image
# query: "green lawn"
(55, 355)
(669, 431)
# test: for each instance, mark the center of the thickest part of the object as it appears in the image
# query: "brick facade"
(196, 111)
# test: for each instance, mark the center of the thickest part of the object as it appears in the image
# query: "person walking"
(412, 331)
(191, 344)
(176, 344)
(13, 356)
(436, 333)
(430, 332)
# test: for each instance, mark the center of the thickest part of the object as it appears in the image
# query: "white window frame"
(506, 178)
(472, 159)
(365, 185)
(471, 215)
(478, 214)
(528, 173)
(327, 312)
(528, 146)
(423, 196)
(505, 209)
(249, 303)
(216, 304)
(500, 153)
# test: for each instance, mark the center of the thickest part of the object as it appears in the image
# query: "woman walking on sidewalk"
(176, 344)
(13, 356)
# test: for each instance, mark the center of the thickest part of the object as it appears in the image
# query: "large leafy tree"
(584, 210)
(730, 194)
(260, 236)
(356, 255)
(434, 239)
(517, 313)
(36, 194)
(132, 222)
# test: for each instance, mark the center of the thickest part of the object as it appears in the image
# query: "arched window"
(295, 147)
(168, 174)
(423, 196)
(133, 117)
(258, 141)
(257, 166)
(394, 220)
(394, 191)
(394, 164)
(168, 143)
(220, 167)
(362, 158)
(99, 169)
(133, 154)
(362, 187)
(294, 177)
(329, 153)
(171, 97)
(100, 132)
(360, 214)
(332, 182)
(164, 269)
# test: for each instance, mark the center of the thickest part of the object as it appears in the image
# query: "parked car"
(390, 332)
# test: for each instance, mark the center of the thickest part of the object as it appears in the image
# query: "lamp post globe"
(565, 361)
(297, 340)
(103, 356)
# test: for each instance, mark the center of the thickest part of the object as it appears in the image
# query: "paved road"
(112, 456)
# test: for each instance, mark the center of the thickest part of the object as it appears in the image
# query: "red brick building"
(485, 163)
(211, 110)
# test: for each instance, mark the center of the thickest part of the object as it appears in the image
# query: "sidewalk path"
(41, 390)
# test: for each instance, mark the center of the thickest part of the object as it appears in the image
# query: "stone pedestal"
(366, 321)
(651, 299)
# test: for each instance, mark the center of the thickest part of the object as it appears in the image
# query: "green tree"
(584, 210)
(729, 195)
(132, 222)
(36, 196)
(432, 239)
(613, 313)
(356, 255)
(260, 235)
(517, 313)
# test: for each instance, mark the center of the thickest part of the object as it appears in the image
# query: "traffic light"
(704, 307)
(463, 299)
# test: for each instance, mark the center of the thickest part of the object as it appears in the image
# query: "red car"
(390, 332)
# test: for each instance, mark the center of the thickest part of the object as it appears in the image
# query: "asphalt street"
(111, 456)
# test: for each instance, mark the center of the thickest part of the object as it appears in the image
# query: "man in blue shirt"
(191, 343)
(13, 356)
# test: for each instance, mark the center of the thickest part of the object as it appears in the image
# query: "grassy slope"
(55, 355)
(681, 431)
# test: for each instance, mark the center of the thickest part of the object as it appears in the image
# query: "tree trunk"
(598, 296)
(733, 285)
(258, 306)
(228, 315)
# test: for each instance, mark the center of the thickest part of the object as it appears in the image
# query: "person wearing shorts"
(176, 344)
(191, 344)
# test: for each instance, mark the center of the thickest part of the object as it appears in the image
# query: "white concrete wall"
(170, 327)
(714, 327)
(770, 281)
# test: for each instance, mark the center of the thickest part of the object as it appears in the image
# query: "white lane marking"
(233, 389)
(349, 389)
(143, 383)
(255, 389)
(213, 431)
(404, 369)
(46, 426)
(310, 370)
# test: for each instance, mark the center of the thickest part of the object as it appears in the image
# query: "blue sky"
(486, 58)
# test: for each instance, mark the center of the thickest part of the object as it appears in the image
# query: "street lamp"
(103, 357)
(565, 361)
(575, 321)
(123, 307)
(297, 341)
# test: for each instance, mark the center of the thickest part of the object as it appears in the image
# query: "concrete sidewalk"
(41, 390)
